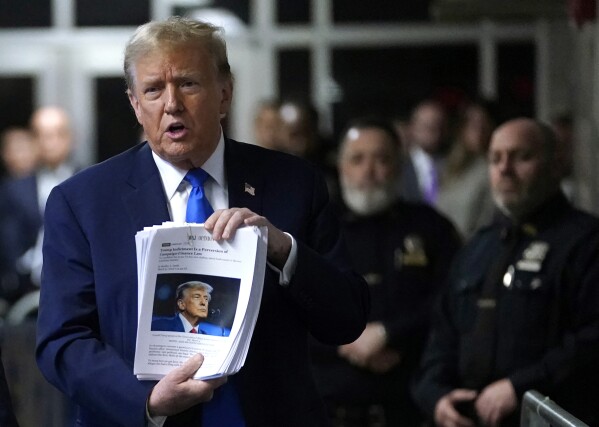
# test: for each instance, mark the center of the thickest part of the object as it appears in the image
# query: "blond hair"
(174, 32)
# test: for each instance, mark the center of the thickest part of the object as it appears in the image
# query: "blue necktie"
(224, 410)
(198, 206)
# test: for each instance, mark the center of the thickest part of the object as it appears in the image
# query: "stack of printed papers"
(197, 295)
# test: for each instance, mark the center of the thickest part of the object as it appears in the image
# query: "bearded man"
(404, 251)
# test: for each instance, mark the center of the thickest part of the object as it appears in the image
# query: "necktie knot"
(196, 177)
(198, 206)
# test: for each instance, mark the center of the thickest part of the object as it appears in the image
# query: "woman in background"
(465, 195)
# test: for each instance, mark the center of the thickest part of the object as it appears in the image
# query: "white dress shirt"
(177, 190)
(187, 327)
(426, 172)
(47, 179)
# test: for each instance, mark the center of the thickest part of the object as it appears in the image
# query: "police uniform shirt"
(404, 255)
(546, 318)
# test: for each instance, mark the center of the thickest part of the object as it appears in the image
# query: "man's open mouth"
(176, 130)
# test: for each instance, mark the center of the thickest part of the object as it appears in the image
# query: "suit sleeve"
(332, 300)
(70, 352)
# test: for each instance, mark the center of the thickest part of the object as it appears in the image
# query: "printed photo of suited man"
(192, 299)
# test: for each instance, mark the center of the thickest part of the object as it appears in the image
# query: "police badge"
(533, 257)
(412, 254)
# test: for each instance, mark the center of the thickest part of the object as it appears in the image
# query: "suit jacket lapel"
(144, 199)
(146, 202)
(246, 184)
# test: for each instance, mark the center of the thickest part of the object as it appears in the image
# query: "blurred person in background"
(300, 136)
(563, 126)
(464, 195)
(268, 125)
(428, 145)
(21, 232)
(299, 129)
(24, 199)
(521, 309)
(19, 152)
(52, 129)
(403, 250)
(407, 180)
(401, 124)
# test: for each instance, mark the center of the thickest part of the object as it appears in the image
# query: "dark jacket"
(404, 253)
(547, 313)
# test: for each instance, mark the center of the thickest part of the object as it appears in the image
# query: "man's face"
(179, 99)
(267, 128)
(20, 152)
(297, 133)
(367, 167)
(194, 304)
(52, 129)
(476, 129)
(368, 159)
(520, 173)
(427, 128)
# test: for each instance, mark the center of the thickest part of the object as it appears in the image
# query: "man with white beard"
(404, 251)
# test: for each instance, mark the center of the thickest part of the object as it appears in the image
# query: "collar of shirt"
(47, 179)
(424, 164)
(177, 190)
(187, 327)
(543, 217)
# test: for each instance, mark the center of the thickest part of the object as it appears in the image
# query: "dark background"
(382, 81)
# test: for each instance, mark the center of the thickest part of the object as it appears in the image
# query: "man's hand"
(495, 402)
(446, 415)
(383, 361)
(224, 222)
(177, 391)
(372, 340)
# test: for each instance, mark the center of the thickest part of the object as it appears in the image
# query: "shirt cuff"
(157, 421)
(286, 274)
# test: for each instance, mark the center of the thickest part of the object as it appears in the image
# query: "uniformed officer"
(521, 311)
(404, 251)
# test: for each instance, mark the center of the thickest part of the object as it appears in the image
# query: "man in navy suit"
(192, 302)
(22, 202)
(180, 86)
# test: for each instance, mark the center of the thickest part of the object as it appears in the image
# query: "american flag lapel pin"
(249, 189)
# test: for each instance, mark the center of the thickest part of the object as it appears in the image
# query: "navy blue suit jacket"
(88, 310)
(174, 324)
